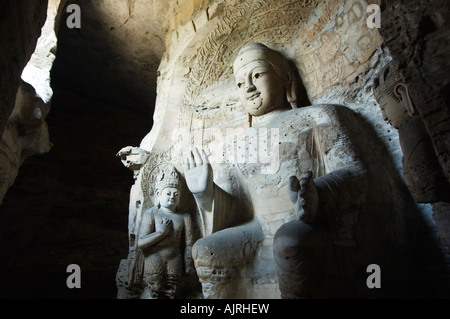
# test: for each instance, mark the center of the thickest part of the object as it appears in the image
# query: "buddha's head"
(168, 188)
(265, 79)
(393, 96)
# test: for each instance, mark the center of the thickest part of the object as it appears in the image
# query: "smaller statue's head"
(393, 96)
(168, 186)
(265, 79)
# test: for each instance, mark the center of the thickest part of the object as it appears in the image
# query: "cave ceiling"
(114, 56)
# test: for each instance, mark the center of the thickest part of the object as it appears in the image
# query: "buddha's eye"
(257, 75)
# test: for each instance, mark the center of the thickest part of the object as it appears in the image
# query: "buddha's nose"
(250, 87)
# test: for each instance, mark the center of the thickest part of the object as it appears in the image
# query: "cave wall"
(22, 130)
(116, 51)
(69, 206)
(23, 22)
(74, 194)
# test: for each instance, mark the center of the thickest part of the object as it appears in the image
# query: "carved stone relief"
(421, 168)
(214, 57)
(160, 237)
(198, 105)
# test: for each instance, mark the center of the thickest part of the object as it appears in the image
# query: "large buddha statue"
(307, 222)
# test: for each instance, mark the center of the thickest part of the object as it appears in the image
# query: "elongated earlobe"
(291, 90)
(401, 91)
(291, 94)
(157, 194)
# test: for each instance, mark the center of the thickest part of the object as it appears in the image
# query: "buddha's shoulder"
(319, 113)
(321, 109)
(151, 211)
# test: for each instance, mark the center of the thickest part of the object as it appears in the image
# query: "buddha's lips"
(253, 96)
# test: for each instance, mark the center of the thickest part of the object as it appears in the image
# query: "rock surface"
(23, 22)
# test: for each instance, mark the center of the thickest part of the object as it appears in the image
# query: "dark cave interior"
(70, 206)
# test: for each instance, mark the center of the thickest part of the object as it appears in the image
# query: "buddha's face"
(393, 97)
(260, 88)
(169, 198)
(393, 111)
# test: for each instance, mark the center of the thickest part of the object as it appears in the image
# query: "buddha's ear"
(402, 92)
(157, 194)
(291, 90)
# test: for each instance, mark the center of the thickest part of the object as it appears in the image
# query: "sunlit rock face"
(24, 23)
(26, 132)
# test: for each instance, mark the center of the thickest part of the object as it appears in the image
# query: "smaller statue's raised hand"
(166, 225)
(303, 193)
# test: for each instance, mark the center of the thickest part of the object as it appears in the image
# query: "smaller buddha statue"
(165, 238)
(421, 168)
